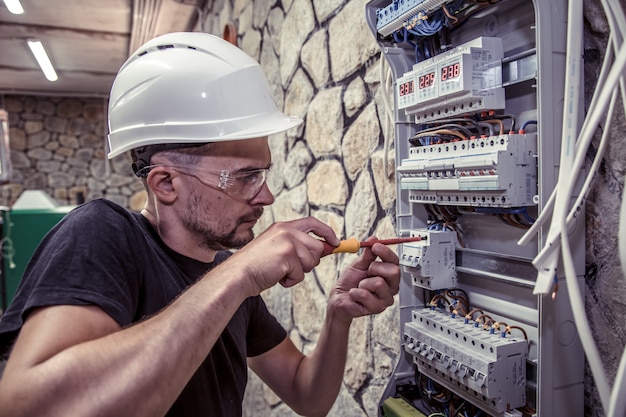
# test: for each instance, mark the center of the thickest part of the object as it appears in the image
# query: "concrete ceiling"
(87, 40)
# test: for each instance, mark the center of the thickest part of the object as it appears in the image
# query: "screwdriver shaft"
(352, 245)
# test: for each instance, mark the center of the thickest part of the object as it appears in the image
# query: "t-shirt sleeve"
(87, 259)
(264, 331)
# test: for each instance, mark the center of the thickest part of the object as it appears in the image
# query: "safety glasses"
(240, 185)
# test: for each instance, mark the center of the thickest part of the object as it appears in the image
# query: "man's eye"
(251, 177)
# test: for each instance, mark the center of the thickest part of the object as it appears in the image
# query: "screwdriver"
(352, 245)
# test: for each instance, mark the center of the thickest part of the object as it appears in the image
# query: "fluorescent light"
(14, 6)
(42, 59)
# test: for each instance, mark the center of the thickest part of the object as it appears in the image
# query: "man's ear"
(159, 181)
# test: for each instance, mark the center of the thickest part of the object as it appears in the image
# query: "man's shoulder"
(101, 204)
(101, 214)
(101, 209)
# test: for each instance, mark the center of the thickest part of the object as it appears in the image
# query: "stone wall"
(323, 64)
(604, 276)
(58, 146)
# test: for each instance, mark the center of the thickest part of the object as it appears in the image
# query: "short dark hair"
(179, 153)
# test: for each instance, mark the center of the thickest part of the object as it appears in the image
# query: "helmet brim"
(205, 132)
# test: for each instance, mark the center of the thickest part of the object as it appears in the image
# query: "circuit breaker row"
(459, 352)
(495, 171)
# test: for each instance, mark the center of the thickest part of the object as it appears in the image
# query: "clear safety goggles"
(240, 185)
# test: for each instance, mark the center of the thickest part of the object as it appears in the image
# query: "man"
(148, 314)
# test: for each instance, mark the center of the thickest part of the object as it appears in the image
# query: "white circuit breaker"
(431, 262)
(488, 365)
(498, 171)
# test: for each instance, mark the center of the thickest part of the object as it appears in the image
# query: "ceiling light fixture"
(14, 6)
(42, 59)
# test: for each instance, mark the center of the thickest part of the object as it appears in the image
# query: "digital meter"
(427, 85)
(406, 93)
(463, 80)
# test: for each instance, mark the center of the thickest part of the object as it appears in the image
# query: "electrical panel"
(477, 93)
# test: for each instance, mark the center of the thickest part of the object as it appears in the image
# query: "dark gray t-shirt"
(101, 254)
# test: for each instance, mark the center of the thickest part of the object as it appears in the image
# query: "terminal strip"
(455, 352)
(399, 12)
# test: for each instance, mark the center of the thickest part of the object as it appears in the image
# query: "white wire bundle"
(386, 83)
(573, 155)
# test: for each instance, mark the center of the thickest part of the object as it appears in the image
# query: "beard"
(213, 232)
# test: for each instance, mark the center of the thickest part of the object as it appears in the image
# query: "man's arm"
(71, 360)
(310, 384)
(76, 360)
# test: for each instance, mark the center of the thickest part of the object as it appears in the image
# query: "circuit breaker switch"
(480, 379)
(431, 354)
(462, 371)
(446, 361)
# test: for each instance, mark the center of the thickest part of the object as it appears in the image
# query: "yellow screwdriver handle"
(351, 245)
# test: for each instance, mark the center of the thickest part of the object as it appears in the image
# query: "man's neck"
(179, 242)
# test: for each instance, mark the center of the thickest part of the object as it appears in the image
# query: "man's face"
(215, 218)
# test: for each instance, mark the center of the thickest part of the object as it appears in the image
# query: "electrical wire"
(598, 110)
(386, 85)
(505, 116)
(553, 244)
(548, 206)
(547, 267)
(441, 133)
(566, 185)
(509, 328)
(563, 195)
(563, 191)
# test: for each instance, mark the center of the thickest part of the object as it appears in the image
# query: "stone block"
(69, 109)
(324, 122)
(55, 124)
(327, 185)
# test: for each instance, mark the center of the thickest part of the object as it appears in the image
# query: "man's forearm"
(136, 371)
(320, 374)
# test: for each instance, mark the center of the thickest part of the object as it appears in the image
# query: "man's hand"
(368, 285)
(283, 253)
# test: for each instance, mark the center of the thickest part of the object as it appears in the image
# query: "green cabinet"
(22, 231)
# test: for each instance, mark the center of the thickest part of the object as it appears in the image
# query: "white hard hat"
(190, 88)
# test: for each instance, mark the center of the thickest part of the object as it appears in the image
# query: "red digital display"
(450, 71)
(407, 88)
(427, 80)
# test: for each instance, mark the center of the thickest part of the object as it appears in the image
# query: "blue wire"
(496, 210)
(430, 385)
(417, 53)
(529, 122)
(527, 216)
